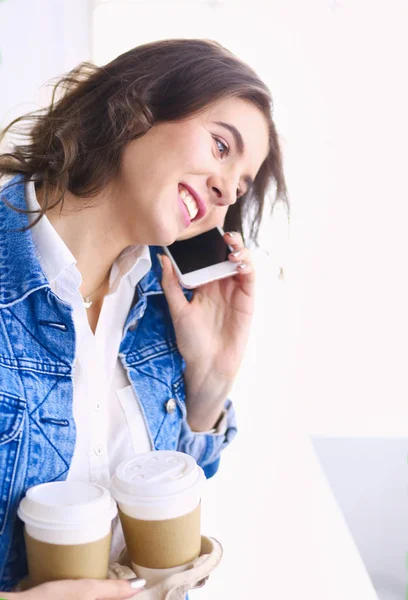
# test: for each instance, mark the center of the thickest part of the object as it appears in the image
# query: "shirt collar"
(53, 254)
(133, 262)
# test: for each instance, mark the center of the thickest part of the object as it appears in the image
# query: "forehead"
(250, 122)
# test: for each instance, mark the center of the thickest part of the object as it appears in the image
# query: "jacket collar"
(150, 283)
(20, 270)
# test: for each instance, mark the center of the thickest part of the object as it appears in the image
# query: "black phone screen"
(200, 251)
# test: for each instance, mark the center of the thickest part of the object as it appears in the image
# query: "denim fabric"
(37, 352)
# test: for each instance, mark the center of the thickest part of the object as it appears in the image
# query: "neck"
(91, 233)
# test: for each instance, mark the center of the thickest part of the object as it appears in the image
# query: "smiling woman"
(201, 168)
(165, 142)
(80, 138)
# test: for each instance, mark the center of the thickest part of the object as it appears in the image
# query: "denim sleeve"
(206, 447)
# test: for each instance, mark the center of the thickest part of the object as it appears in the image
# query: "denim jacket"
(37, 351)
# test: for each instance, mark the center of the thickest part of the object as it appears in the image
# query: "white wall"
(329, 347)
(350, 293)
(38, 41)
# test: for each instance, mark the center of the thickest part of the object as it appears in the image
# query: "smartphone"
(201, 259)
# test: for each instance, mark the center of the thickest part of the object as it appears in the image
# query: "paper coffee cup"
(159, 496)
(67, 530)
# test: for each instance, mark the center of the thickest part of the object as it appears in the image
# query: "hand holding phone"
(211, 327)
(201, 259)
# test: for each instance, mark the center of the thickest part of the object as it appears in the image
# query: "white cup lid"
(66, 505)
(155, 476)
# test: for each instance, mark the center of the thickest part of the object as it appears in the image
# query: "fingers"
(241, 257)
(86, 589)
(233, 238)
(115, 589)
(171, 287)
(240, 254)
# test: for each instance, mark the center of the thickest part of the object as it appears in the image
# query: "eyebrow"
(239, 141)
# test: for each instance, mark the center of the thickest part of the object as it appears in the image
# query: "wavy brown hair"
(76, 143)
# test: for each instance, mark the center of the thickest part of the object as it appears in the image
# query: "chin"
(164, 238)
(195, 229)
(156, 235)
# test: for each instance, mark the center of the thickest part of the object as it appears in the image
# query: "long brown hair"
(76, 143)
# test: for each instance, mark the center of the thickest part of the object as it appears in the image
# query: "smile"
(188, 202)
(194, 204)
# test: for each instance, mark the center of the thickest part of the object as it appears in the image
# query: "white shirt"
(109, 422)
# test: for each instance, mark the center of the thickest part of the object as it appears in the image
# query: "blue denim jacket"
(37, 350)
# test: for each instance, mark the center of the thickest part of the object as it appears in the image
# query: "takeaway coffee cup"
(67, 530)
(158, 494)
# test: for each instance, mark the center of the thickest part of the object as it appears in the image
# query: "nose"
(223, 191)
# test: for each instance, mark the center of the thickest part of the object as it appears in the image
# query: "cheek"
(216, 218)
(194, 150)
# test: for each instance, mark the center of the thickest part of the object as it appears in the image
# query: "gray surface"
(369, 479)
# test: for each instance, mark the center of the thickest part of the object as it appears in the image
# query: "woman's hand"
(81, 589)
(212, 331)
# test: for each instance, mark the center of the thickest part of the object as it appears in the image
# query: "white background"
(329, 346)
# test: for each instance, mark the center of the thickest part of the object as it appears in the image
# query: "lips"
(202, 209)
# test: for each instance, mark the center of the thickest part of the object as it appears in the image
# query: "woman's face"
(179, 179)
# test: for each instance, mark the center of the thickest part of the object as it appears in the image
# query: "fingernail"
(242, 266)
(231, 233)
(236, 253)
(136, 583)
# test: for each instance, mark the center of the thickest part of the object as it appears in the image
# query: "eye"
(222, 147)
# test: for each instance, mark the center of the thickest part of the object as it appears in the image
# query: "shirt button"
(98, 450)
(171, 406)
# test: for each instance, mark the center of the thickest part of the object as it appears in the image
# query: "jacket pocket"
(12, 411)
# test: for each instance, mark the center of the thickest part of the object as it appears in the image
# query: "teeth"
(191, 206)
(189, 203)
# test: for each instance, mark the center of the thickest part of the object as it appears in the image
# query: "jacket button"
(171, 406)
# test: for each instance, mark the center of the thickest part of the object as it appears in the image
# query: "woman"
(104, 354)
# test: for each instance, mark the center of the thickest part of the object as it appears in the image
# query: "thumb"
(171, 287)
